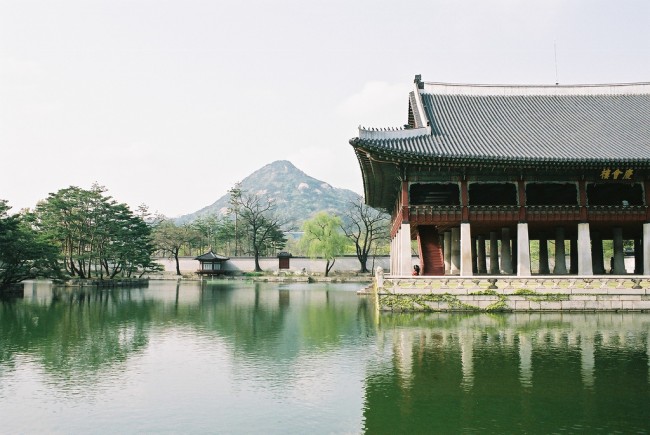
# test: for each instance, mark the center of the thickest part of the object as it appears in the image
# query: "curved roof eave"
(401, 156)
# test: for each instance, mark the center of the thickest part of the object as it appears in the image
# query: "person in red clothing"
(416, 270)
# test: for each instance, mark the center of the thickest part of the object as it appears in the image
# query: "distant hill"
(297, 195)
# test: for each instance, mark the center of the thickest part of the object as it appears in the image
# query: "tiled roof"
(510, 124)
(211, 256)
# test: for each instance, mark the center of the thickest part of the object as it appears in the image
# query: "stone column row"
(466, 255)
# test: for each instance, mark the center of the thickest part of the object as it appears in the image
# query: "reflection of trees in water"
(280, 322)
(79, 331)
(271, 329)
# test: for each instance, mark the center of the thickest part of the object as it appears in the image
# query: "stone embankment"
(108, 283)
(511, 293)
(289, 276)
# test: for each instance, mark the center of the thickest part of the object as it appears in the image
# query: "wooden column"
(405, 202)
(521, 188)
(582, 190)
(464, 201)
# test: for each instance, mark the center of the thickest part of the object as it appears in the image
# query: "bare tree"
(262, 224)
(366, 227)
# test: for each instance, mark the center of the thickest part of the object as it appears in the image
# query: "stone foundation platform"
(511, 293)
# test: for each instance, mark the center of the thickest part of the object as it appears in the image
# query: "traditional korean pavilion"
(211, 263)
(490, 168)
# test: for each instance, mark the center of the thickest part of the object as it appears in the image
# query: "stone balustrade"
(512, 293)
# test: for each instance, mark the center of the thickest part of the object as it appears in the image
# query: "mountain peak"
(282, 164)
(297, 195)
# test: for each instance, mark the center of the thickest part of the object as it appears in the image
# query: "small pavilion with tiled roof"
(504, 165)
(211, 263)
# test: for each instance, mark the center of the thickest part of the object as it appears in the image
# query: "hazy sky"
(170, 102)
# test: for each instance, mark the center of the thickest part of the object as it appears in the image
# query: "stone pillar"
(619, 256)
(474, 254)
(393, 256)
(638, 256)
(585, 262)
(441, 241)
(513, 254)
(523, 250)
(447, 252)
(395, 249)
(455, 251)
(573, 256)
(597, 254)
(405, 249)
(560, 255)
(494, 253)
(482, 263)
(646, 250)
(543, 256)
(506, 258)
(396, 253)
(466, 250)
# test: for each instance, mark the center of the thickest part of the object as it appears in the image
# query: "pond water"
(243, 357)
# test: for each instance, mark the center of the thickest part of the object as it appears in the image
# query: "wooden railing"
(433, 214)
(617, 212)
(424, 214)
(541, 213)
(500, 213)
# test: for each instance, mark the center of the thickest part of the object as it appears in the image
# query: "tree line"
(86, 234)
(253, 227)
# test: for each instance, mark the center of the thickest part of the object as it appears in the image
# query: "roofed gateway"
(504, 165)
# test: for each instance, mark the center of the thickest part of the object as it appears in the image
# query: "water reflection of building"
(447, 373)
(527, 337)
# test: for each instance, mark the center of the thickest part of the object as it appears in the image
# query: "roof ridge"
(392, 133)
(640, 88)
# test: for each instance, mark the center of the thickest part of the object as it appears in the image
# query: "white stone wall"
(343, 264)
(296, 264)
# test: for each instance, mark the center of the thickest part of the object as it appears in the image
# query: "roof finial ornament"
(418, 81)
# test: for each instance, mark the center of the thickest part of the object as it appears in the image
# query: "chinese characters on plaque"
(616, 174)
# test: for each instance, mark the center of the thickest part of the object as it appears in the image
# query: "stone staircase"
(431, 256)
